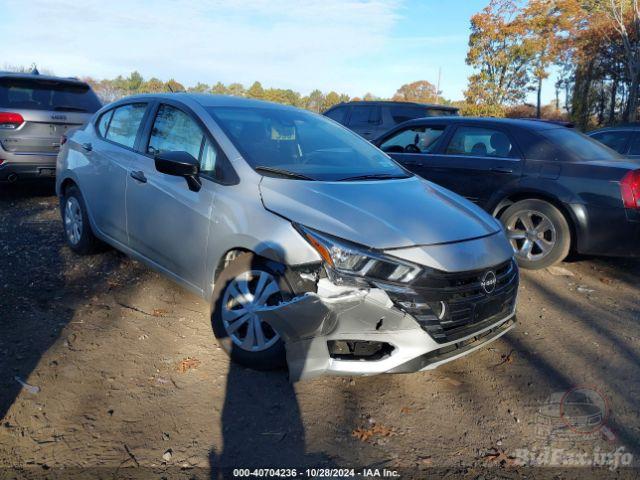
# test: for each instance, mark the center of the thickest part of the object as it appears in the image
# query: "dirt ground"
(120, 369)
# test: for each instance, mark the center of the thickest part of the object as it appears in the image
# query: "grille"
(450, 306)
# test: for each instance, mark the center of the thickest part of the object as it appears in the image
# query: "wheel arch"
(569, 214)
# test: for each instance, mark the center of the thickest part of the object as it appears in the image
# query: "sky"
(350, 46)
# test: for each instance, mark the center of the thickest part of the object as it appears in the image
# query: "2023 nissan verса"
(309, 243)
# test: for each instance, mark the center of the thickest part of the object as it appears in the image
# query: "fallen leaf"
(506, 358)
(560, 271)
(159, 312)
(500, 457)
(405, 410)
(365, 434)
(187, 364)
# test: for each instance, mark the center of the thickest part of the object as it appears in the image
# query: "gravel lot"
(121, 369)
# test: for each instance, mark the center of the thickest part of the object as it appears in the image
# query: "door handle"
(139, 176)
(501, 170)
(87, 146)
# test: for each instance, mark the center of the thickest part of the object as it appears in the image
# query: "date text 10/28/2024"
(315, 473)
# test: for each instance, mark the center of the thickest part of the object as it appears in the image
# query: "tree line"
(593, 44)
(110, 90)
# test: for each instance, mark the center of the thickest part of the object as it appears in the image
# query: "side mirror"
(180, 164)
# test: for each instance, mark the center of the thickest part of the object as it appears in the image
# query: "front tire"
(75, 221)
(538, 232)
(247, 283)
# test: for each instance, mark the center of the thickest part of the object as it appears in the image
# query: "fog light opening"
(358, 350)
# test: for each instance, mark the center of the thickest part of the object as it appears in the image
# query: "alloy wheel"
(244, 295)
(73, 220)
(531, 234)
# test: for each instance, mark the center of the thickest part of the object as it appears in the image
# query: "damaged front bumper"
(345, 331)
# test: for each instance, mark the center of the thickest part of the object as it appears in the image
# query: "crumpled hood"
(380, 214)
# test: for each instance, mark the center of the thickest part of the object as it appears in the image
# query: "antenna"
(169, 87)
(438, 85)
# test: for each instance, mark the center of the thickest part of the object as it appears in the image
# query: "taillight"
(10, 121)
(630, 189)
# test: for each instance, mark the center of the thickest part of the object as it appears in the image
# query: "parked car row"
(311, 243)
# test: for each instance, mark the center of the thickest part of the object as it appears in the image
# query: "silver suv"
(308, 242)
(35, 112)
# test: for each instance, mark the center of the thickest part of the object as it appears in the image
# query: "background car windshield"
(24, 93)
(302, 143)
(578, 145)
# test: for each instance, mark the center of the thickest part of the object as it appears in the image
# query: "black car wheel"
(538, 232)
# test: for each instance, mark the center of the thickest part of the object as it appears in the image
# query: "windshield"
(303, 144)
(52, 95)
(578, 145)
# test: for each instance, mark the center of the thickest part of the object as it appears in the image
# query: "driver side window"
(174, 130)
(413, 140)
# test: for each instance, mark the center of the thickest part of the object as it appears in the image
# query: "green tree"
(330, 99)
(153, 85)
(255, 91)
(315, 101)
(199, 88)
(134, 82)
(219, 89)
(236, 89)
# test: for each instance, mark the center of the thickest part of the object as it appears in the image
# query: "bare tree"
(626, 18)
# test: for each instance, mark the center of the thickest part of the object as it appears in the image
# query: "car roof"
(32, 76)
(207, 100)
(515, 122)
(391, 102)
(625, 126)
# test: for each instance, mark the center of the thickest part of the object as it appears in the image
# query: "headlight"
(349, 263)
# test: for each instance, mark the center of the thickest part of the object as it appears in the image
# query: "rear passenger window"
(338, 114)
(364, 115)
(615, 140)
(125, 123)
(634, 148)
(480, 142)
(103, 122)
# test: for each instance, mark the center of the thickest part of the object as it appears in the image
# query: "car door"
(365, 120)
(473, 161)
(109, 153)
(167, 222)
(476, 161)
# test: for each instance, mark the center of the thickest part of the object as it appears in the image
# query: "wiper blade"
(69, 108)
(281, 172)
(374, 176)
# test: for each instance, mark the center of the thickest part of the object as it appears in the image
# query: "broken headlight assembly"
(347, 263)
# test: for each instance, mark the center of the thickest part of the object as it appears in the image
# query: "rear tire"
(538, 232)
(246, 283)
(75, 221)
